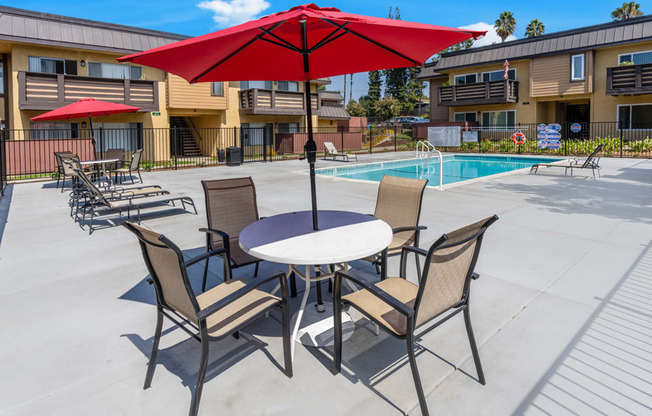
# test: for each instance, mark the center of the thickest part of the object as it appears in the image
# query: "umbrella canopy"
(304, 43)
(86, 107)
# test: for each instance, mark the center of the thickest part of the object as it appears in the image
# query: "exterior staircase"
(189, 146)
(380, 137)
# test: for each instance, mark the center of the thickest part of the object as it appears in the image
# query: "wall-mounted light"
(83, 63)
(83, 124)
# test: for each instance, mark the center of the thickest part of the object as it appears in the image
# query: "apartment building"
(590, 74)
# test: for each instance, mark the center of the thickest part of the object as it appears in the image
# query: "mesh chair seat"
(239, 257)
(401, 289)
(237, 313)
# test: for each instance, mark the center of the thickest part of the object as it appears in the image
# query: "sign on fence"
(470, 136)
(576, 127)
(549, 137)
(446, 136)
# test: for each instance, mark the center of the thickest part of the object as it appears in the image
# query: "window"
(637, 58)
(499, 119)
(577, 67)
(466, 79)
(52, 65)
(245, 85)
(498, 75)
(44, 130)
(472, 116)
(217, 88)
(104, 70)
(288, 128)
(288, 86)
(635, 116)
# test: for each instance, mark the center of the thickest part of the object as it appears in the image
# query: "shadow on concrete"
(5, 204)
(607, 368)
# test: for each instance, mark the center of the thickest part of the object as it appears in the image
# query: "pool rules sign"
(549, 136)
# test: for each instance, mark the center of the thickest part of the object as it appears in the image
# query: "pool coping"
(436, 186)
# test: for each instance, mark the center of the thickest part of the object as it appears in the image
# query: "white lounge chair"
(332, 152)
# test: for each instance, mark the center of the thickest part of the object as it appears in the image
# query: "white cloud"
(233, 12)
(490, 37)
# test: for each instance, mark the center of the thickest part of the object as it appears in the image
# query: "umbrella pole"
(311, 147)
(90, 125)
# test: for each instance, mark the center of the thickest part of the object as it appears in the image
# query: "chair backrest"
(167, 267)
(135, 159)
(329, 146)
(448, 268)
(230, 207)
(115, 154)
(592, 155)
(69, 164)
(399, 201)
(59, 155)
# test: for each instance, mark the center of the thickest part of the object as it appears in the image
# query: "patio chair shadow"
(5, 204)
(607, 366)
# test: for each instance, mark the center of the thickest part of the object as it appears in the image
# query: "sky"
(194, 18)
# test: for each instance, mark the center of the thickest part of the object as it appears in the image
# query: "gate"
(256, 143)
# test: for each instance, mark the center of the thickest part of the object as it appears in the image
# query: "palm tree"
(535, 28)
(505, 25)
(627, 11)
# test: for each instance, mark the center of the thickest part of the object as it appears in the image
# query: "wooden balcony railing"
(261, 101)
(491, 92)
(39, 91)
(629, 79)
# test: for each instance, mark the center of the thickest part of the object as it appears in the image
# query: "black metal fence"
(29, 154)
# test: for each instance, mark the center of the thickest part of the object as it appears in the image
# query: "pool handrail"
(428, 149)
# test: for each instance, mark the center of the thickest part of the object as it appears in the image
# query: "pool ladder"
(427, 150)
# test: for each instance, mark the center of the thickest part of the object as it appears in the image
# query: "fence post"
(101, 152)
(176, 146)
(395, 137)
(371, 138)
(235, 137)
(3, 161)
(265, 143)
(342, 131)
(620, 127)
(519, 129)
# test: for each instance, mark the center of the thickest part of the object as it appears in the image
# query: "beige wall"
(551, 76)
(182, 95)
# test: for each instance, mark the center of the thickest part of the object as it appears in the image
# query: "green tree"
(368, 103)
(535, 28)
(375, 85)
(396, 79)
(627, 11)
(505, 25)
(355, 109)
(387, 108)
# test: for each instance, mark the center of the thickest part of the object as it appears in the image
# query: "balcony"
(273, 102)
(490, 92)
(629, 80)
(39, 91)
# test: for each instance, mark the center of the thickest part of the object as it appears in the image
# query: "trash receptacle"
(220, 155)
(233, 156)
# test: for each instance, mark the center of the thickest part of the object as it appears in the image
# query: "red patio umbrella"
(302, 44)
(86, 107)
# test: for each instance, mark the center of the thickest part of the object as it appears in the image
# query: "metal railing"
(427, 151)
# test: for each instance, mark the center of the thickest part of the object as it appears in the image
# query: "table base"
(316, 328)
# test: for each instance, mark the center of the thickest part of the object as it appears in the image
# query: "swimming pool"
(457, 168)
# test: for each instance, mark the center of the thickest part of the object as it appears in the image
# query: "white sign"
(445, 136)
(470, 136)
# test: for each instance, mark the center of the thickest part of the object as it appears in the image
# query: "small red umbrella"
(86, 107)
(302, 44)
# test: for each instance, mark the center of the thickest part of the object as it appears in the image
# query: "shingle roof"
(589, 37)
(331, 112)
(27, 26)
(332, 96)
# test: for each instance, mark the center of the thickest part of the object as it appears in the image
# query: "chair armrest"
(416, 250)
(209, 310)
(415, 228)
(225, 236)
(204, 256)
(403, 262)
(374, 290)
(475, 276)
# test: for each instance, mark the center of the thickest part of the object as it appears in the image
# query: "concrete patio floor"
(562, 311)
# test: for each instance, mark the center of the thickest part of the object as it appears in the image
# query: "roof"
(331, 112)
(331, 96)
(18, 25)
(584, 38)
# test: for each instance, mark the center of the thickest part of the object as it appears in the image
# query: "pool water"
(456, 168)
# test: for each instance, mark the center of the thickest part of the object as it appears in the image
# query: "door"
(578, 114)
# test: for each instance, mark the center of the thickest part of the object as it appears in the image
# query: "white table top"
(94, 162)
(289, 238)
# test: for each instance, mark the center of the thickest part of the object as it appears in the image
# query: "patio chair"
(214, 315)
(407, 311)
(230, 206)
(115, 154)
(399, 205)
(60, 170)
(331, 151)
(574, 163)
(134, 166)
(99, 200)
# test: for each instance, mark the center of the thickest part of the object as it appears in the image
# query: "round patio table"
(289, 239)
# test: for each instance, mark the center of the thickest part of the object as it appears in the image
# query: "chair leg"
(132, 178)
(194, 408)
(203, 285)
(287, 357)
(337, 336)
(474, 347)
(141, 178)
(152, 357)
(256, 270)
(293, 285)
(415, 374)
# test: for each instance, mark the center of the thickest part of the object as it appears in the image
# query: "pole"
(311, 147)
(90, 125)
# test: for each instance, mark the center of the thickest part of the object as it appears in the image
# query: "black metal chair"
(406, 310)
(215, 314)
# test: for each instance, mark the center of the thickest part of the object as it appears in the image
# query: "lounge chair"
(591, 162)
(134, 167)
(98, 200)
(61, 173)
(210, 316)
(399, 205)
(331, 151)
(406, 310)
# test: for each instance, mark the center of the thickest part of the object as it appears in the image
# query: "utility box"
(233, 156)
